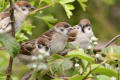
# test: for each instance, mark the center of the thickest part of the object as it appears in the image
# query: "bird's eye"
(39, 46)
(23, 9)
(89, 28)
(86, 25)
(66, 26)
(62, 29)
(27, 6)
(46, 48)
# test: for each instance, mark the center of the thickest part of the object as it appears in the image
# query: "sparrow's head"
(25, 6)
(86, 28)
(62, 28)
(42, 45)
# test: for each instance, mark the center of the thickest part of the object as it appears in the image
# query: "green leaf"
(55, 57)
(76, 77)
(2, 76)
(48, 19)
(68, 7)
(80, 54)
(26, 28)
(106, 71)
(112, 53)
(66, 1)
(67, 64)
(103, 77)
(109, 2)
(21, 37)
(99, 69)
(11, 44)
(60, 64)
(82, 3)
(51, 1)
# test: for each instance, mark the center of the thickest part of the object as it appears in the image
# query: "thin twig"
(12, 18)
(9, 68)
(111, 41)
(28, 75)
(107, 44)
(38, 9)
(63, 53)
(13, 34)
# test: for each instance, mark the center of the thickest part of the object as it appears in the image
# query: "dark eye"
(46, 48)
(86, 25)
(27, 6)
(66, 26)
(23, 9)
(39, 46)
(62, 29)
(89, 28)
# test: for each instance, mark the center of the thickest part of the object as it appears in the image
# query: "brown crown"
(23, 3)
(62, 24)
(84, 22)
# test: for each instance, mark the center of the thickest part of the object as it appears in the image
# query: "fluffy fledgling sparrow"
(29, 50)
(52, 41)
(81, 34)
(57, 37)
(21, 10)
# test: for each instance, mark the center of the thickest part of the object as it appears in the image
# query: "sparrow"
(57, 37)
(29, 50)
(21, 10)
(81, 34)
(51, 41)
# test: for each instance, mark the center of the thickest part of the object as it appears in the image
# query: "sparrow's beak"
(69, 30)
(32, 8)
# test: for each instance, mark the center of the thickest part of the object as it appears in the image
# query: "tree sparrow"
(81, 34)
(52, 41)
(57, 37)
(21, 10)
(29, 50)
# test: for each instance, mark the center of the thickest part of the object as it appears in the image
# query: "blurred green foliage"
(11, 44)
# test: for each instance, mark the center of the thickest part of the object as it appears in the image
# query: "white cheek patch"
(43, 51)
(89, 32)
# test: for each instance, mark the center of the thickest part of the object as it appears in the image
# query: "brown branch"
(13, 34)
(38, 9)
(63, 53)
(9, 68)
(107, 44)
(28, 75)
(12, 18)
(111, 41)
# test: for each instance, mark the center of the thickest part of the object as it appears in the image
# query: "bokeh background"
(103, 14)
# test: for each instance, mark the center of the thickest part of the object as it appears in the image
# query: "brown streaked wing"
(4, 15)
(27, 47)
(72, 35)
(48, 34)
